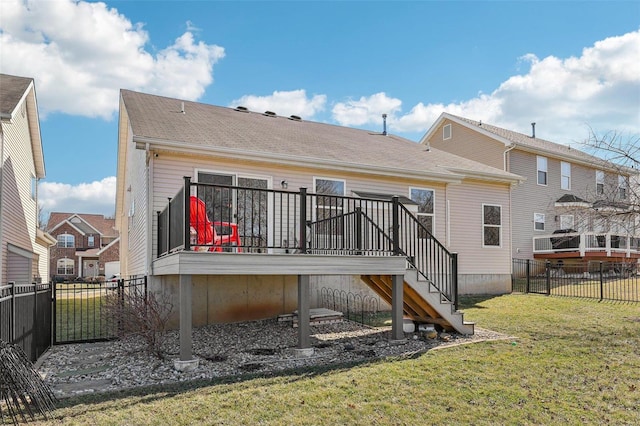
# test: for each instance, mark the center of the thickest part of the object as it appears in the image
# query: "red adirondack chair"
(203, 232)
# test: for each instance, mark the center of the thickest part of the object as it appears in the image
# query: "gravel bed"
(223, 350)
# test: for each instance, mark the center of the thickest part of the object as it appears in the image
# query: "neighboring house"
(572, 205)
(313, 206)
(88, 246)
(23, 246)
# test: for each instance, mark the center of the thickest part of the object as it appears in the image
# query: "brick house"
(88, 246)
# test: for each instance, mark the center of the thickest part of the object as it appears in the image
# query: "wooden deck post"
(397, 298)
(304, 330)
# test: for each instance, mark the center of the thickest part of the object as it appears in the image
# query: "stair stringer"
(422, 301)
(434, 298)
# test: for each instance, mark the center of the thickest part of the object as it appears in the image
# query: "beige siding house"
(314, 205)
(565, 190)
(24, 248)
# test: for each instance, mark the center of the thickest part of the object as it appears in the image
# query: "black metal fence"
(25, 317)
(616, 281)
(364, 309)
(83, 312)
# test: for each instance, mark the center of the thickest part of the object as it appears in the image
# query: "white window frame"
(622, 187)
(446, 132)
(538, 218)
(599, 182)
(565, 175)
(68, 240)
(235, 176)
(542, 165)
(567, 219)
(484, 225)
(67, 265)
(91, 241)
(419, 214)
(34, 188)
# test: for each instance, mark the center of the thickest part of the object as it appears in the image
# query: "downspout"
(505, 156)
(1, 192)
(148, 171)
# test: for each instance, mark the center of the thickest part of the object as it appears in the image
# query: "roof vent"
(241, 109)
(270, 113)
(533, 130)
(480, 123)
(384, 124)
(295, 118)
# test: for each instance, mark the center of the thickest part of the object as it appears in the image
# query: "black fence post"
(303, 220)
(187, 213)
(454, 279)
(528, 273)
(547, 265)
(601, 281)
(12, 331)
(54, 328)
(35, 340)
(168, 224)
(395, 225)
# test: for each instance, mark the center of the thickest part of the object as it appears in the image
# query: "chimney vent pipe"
(533, 130)
(384, 124)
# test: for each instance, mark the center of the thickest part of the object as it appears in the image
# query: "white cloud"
(97, 197)
(366, 109)
(81, 75)
(601, 89)
(284, 103)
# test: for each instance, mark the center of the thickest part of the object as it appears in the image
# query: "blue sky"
(565, 65)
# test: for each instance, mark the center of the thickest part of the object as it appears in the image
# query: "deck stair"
(422, 302)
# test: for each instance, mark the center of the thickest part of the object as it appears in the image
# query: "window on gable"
(65, 266)
(90, 240)
(599, 182)
(329, 205)
(491, 225)
(446, 132)
(425, 199)
(538, 221)
(565, 173)
(66, 240)
(542, 170)
(622, 187)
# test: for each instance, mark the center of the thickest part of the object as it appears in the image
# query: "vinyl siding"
(169, 170)
(465, 214)
(469, 144)
(530, 198)
(19, 209)
(136, 215)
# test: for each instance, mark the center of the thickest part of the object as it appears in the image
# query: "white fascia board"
(573, 205)
(181, 147)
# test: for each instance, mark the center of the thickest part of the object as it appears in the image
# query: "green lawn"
(82, 318)
(573, 362)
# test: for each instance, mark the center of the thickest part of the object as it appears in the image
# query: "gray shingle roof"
(207, 126)
(11, 90)
(536, 144)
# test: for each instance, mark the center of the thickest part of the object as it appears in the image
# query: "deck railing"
(260, 220)
(610, 243)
